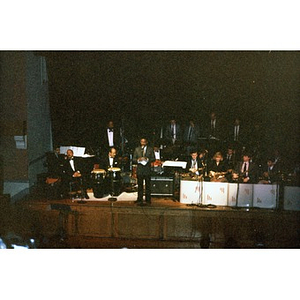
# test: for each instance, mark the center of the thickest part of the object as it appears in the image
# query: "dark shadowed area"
(145, 88)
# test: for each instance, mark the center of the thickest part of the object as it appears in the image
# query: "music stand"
(171, 167)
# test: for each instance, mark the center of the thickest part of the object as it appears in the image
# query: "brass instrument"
(216, 175)
(194, 170)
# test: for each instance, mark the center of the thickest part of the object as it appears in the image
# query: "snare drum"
(98, 182)
(114, 181)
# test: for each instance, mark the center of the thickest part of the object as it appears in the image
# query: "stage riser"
(162, 224)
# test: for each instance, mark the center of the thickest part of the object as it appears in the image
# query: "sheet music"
(171, 163)
(143, 162)
(78, 151)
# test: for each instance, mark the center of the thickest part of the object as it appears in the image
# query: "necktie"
(236, 133)
(173, 131)
(194, 163)
(144, 151)
(190, 133)
(245, 167)
(213, 127)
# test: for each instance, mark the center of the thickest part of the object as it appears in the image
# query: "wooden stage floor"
(166, 223)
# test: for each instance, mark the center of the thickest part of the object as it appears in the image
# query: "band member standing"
(214, 133)
(214, 127)
(237, 135)
(143, 156)
(158, 133)
(73, 173)
(173, 139)
(111, 136)
(190, 136)
(173, 133)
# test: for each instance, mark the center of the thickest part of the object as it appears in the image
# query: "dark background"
(144, 88)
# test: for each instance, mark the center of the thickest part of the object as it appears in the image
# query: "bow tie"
(111, 130)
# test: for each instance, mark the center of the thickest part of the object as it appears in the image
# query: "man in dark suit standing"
(190, 136)
(237, 136)
(111, 137)
(214, 134)
(143, 156)
(214, 130)
(74, 176)
(173, 139)
(173, 133)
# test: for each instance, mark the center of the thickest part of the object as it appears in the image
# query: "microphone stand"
(201, 194)
(237, 195)
(81, 201)
(112, 193)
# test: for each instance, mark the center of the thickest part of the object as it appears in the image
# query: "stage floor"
(166, 223)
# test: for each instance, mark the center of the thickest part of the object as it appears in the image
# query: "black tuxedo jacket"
(67, 169)
(104, 163)
(116, 138)
(144, 170)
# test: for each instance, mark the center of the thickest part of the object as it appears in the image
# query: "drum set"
(106, 182)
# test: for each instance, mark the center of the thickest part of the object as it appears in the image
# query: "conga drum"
(98, 182)
(114, 181)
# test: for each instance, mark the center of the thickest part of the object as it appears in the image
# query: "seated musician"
(229, 162)
(110, 160)
(74, 178)
(217, 169)
(270, 172)
(203, 158)
(245, 171)
(193, 166)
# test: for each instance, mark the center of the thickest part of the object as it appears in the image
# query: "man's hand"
(77, 174)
